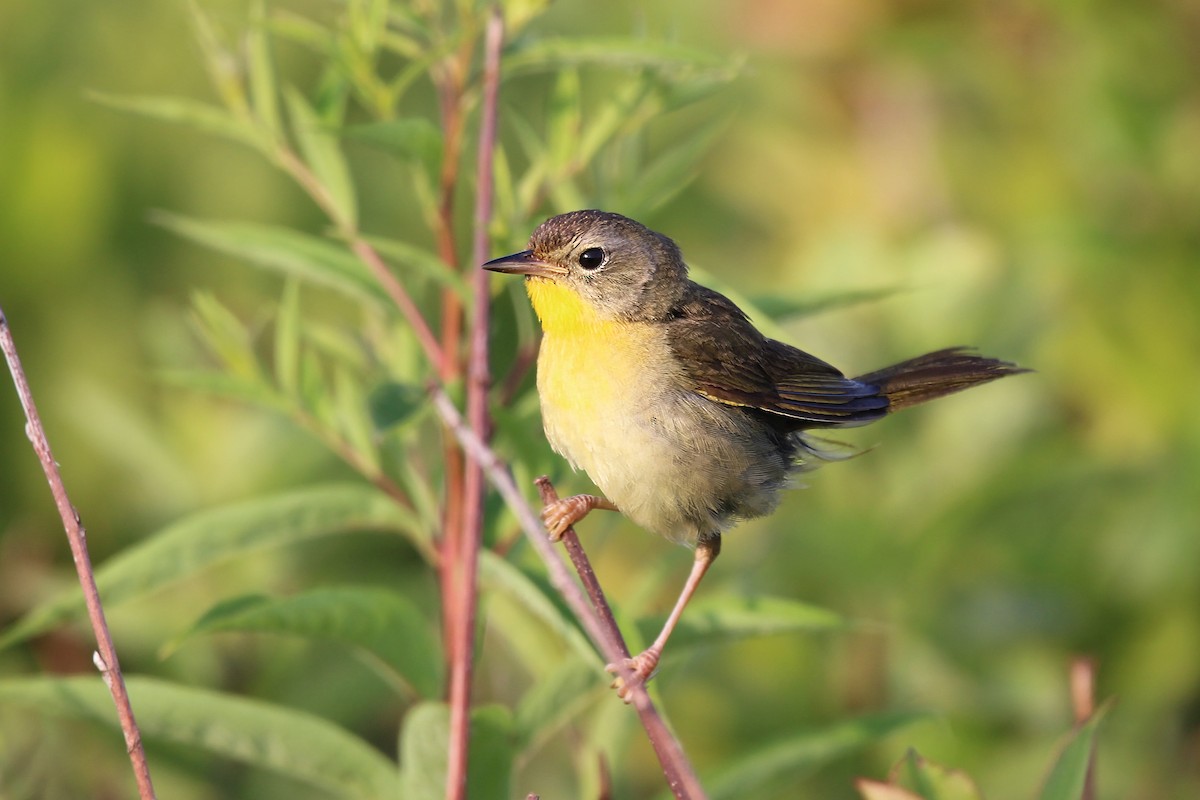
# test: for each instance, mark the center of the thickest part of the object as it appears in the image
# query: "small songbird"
(685, 416)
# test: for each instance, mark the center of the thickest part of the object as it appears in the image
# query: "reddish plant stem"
(583, 568)
(681, 777)
(106, 655)
(478, 381)
(1083, 703)
(449, 79)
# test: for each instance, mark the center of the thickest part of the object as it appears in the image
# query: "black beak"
(524, 263)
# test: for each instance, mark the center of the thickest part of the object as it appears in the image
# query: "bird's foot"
(565, 512)
(642, 668)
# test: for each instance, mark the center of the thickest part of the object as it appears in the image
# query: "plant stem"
(106, 655)
(675, 764)
(465, 586)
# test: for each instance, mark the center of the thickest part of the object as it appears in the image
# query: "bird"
(684, 415)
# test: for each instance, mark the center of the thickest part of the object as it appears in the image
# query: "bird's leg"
(645, 663)
(565, 512)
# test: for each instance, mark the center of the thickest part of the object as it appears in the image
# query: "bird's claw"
(641, 667)
(560, 515)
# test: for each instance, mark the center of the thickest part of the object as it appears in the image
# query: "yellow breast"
(615, 404)
(588, 365)
(603, 384)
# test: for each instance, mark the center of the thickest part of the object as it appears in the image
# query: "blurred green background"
(1018, 176)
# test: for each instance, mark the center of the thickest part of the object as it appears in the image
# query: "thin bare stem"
(466, 571)
(583, 568)
(106, 655)
(1083, 703)
(449, 75)
(681, 777)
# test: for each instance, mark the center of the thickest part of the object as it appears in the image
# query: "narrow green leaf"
(716, 619)
(204, 117)
(783, 309)
(496, 574)
(301, 30)
(226, 336)
(796, 755)
(352, 418)
(612, 116)
(564, 119)
(421, 491)
(198, 542)
(552, 54)
(505, 192)
(323, 154)
(224, 70)
(661, 180)
(1068, 776)
(411, 138)
(383, 623)
(263, 89)
(518, 13)
(423, 753)
(300, 746)
(226, 386)
(493, 748)
(308, 258)
(556, 700)
(934, 782)
(391, 404)
(287, 338)
(368, 21)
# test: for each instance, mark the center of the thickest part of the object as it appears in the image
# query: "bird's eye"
(591, 258)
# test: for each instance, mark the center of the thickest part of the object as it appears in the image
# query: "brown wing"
(728, 361)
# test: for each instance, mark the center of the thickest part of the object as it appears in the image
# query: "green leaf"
(204, 117)
(391, 404)
(202, 540)
(552, 54)
(661, 180)
(300, 746)
(224, 69)
(423, 753)
(301, 30)
(934, 782)
(381, 622)
(1068, 776)
(716, 619)
(226, 386)
(368, 21)
(555, 700)
(496, 574)
(263, 89)
(322, 152)
(801, 753)
(782, 308)
(308, 258)
(352, 420)
(227, 337)
(564, 119)
(287, 338)
(412, 138)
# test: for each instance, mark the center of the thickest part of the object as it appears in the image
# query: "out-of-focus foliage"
(1012, 175)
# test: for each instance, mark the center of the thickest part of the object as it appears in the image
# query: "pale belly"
(673, 462)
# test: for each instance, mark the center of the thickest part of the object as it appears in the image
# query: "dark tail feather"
(935, 375)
